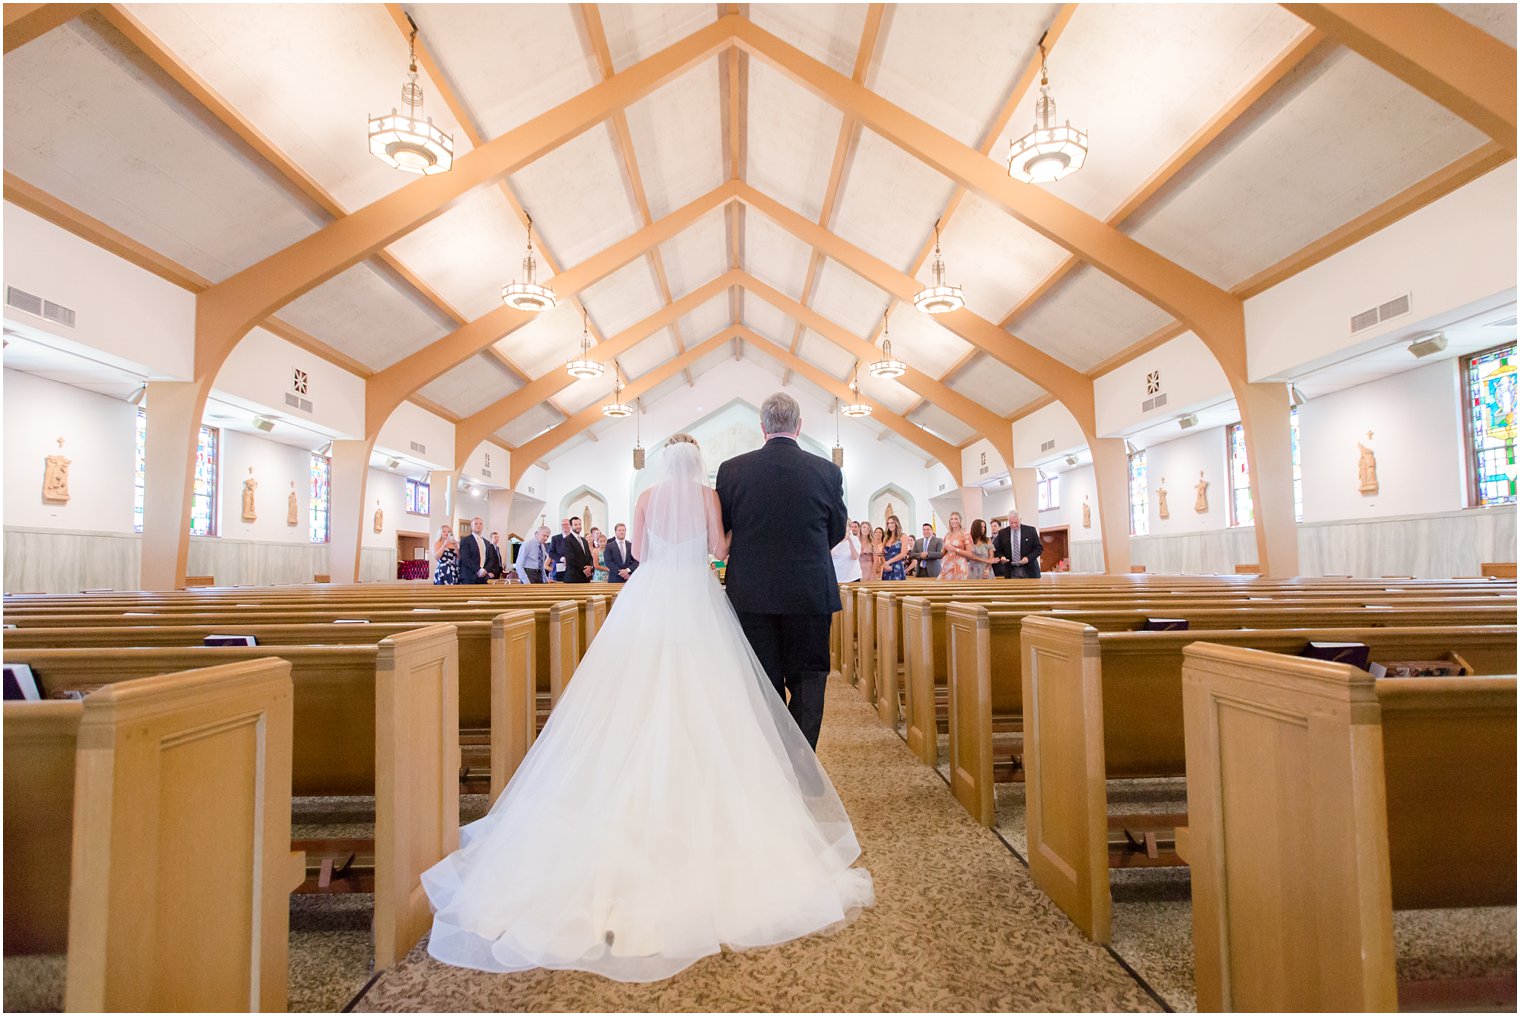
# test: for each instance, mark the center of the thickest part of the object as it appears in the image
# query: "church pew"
(924, 635)
(1102, 706)
(1323, 799)
(1498, 569)
(147, 837)
(368, 720)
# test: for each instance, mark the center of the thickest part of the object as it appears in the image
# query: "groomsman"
(927, 552)
(618, 556)
(479, 562)
(578, 563)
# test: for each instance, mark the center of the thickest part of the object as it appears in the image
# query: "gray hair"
(780, 414)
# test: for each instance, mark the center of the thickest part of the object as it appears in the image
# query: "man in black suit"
(784, 510)
(555, 568)
(1021, 545)
(578, 559)
(618, 556)
(479, 561)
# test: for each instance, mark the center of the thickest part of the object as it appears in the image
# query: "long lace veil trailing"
(675, 510)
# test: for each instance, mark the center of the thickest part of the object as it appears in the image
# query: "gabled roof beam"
(25, 22)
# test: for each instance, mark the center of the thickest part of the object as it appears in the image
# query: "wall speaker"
(1188, 421)
(263, 423)
(638, 458)
(839, 456)
(1429, 345)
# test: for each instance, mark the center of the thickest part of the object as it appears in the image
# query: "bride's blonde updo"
(682, 439)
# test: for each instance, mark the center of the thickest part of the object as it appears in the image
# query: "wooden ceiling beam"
(25, 22)
(1434, 52)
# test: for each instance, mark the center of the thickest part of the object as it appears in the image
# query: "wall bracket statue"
(1086, 513)
(1162, 509)
(292, 508)
(250, 513)
(1366, 467)
(1201, 488)
(55, 478)
(379, 518)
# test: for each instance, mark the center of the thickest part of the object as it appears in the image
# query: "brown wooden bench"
(1102, 706)
(368, 719)
(171, 794)
(1323, 799)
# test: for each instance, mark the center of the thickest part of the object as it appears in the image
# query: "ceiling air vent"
(1048, 445)
(1156, 403)
(23, 301)
(420, 449)
(1383, 312)
(60, 314)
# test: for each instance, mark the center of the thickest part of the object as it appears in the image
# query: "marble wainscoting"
(1087, 556)
(1438, 546)
(1205, 552)
(61, 561)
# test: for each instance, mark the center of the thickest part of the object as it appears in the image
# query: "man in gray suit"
(927, 551)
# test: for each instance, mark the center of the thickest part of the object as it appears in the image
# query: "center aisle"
(958, 926)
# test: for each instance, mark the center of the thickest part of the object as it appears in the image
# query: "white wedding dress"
(670, 806)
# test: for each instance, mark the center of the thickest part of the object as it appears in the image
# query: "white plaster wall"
(1175, 465)
(1075, 482)
(1415, 418)
(388, 490)
(131, 316)
(261, 370)
(99, 440)
(411, 422)
(489, 465)
(1454, 252)
(1191, 379)
(275, 466)
(974, 469)
(1050, 423)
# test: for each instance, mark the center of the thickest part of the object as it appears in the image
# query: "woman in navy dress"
(446, 554)
(894, 555)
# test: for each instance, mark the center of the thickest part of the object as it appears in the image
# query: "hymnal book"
(230, 640)
(1451, 665)
(1354, 653)
(21, 684)
(1165, 624)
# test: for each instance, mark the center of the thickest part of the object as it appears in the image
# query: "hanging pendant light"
(617, 408)
(1051, 150)
(408, 141)
(528, 295)
(857, 407)
(888, 366)
(938, 298)
(583, 366)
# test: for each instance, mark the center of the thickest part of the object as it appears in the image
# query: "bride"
(670, 806)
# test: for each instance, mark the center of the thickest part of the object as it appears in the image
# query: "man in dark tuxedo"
(1020, 544)
(784, 510)
(555, 568)
(578, 559)
(618, 556)
(479, 561)
(1001, 568)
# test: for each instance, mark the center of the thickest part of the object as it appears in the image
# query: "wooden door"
(1053, 548)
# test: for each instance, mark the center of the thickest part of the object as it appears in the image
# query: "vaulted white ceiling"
(102, 124)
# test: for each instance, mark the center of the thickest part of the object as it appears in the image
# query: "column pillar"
(443, 488)
(347, 489)
(174, 424)
(1026, 493)
(1264, 413)
(1111, 476)
(971, 507)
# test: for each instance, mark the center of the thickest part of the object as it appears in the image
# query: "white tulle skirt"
(669, 808)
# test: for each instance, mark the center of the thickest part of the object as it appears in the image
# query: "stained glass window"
(418, 496)
(139, 490)
(1491, 425)
(1139, 496)
(321, 475)
(203, 501)
(1242, 509)
(1050, 493)
(1298, 473)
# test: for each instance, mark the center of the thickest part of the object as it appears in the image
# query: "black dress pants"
(794, 650)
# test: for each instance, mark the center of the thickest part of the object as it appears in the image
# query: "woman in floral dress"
(956, 564)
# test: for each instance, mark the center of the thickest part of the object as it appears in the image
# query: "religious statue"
(55, 478)
(249, 486)
(586, 518)
(1086, 513)
(1201, 502)
(292, 509)
(1163, 511)
(379, 518)
(1366, 467)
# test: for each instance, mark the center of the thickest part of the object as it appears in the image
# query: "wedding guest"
(598, 555)
(1021, 545)
(927, 553)
(579, 566)
(446, 558)
(478, 561)
(894, 551)
(846, 555)
(870, 560)
(532, 556)
(621, 563)
(979, 565)
(1000, 566)
(957, 561)
(557, 552)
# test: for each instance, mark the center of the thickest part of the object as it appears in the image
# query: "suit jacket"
(578, 554)
(617, 562)
(556, 554)
(785, 510)
(933, 550)
(1029, 546)
(470, 560)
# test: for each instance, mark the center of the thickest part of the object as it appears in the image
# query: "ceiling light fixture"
(939, 298)
(407, 141)
(1051, 150)
(858, 407)
(888, 366)
(617, 408)
(1295, 397)
(583, 366)
(138, 394)
(528, 295)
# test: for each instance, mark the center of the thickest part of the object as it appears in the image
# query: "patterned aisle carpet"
(957, 925)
